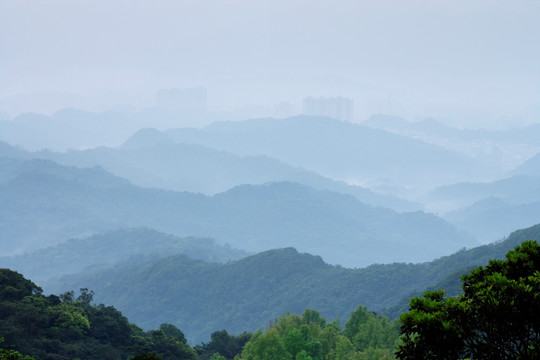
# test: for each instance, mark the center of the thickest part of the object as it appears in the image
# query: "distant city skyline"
(469, 64)
(340, 108)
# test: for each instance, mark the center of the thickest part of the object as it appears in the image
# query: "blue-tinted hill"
(338, 150)
(246, 294)
(44, 203)
(150, 158)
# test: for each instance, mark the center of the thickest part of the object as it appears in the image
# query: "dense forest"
(66, 326)
(496, 316)
(269, 180)
(200, 297)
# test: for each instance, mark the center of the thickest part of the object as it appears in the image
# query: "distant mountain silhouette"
(150, 158)
(146, 138)
(527, 134)
(492, 218)
(44, 203)
(529, 167)
(519, 189)
(339, 150)
(68, 128)
(502, 149)
(107, 249)
(489, 210)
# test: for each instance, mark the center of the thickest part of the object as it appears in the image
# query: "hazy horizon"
(469, 64)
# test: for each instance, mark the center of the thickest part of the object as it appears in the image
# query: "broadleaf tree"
(496, 317)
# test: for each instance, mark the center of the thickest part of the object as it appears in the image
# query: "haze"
(272, 123)
(468, 64)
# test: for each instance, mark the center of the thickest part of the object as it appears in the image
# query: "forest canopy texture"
(496, 317)
(69, 327)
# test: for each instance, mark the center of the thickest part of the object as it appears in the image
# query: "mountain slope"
(150, 158)
(104, 250)
(450, 268)
(504, 149)
(519, 189)
(529, 167)
(338, 150)
(246, 294)
(489, 210)
(44, 203)
(492, 218)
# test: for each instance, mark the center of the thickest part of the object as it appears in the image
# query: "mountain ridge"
(45, 209)
(147, 160)
(247, 293)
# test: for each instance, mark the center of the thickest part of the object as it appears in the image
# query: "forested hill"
(43, 204)
(66, 326)
(107, 249)
(448, 269)
(244, 295)
(152, 159)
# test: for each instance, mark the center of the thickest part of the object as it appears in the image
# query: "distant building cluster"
(340, 108)
(184, 100)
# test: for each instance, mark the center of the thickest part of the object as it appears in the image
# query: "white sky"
(464, 61)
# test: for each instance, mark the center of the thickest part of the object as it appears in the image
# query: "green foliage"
(369, 331)
(173, 332)
(268, 346)
(310, 337)
(445, 273)
(496, 317)
(146, 356)
(217, 356)
(227, 346)
(69, 326)
(68, 320)
(242, 295)
(15, 286)
(8, 353)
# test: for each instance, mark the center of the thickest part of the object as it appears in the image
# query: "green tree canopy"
(69, 326)
(8, 353)
(223, 344)
(15, 286)
(310, 337)
(497, 316)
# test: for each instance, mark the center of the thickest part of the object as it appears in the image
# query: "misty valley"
(269, 180)
(295, 238)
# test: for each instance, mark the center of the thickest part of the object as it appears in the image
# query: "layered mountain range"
(45, 203)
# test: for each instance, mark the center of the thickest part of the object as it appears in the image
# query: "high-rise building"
(340, 108)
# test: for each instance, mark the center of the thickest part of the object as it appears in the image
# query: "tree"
(13, 286)
(8, 353)
(267, 346)
(69, 327)
(496, 317)
(227, 346)
(174, 332)
(146, 356)
(367, 330)
(217, 356)
(86, 296)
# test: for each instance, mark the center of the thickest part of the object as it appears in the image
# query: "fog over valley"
(175, 176)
